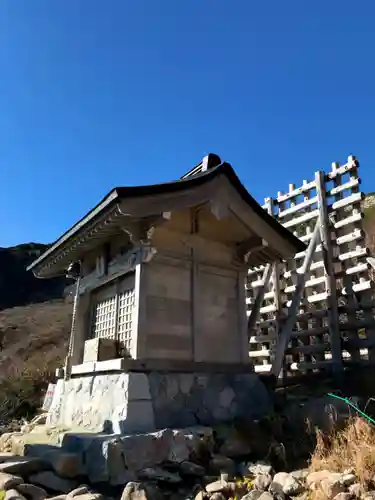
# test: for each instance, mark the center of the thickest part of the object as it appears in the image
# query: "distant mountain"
(19, 287)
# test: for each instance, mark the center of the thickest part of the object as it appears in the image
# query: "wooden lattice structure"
(335, 321)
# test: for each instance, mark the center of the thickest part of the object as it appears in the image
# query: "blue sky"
(95, 94)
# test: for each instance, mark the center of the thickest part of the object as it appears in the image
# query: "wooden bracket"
(141, 231)
(249, 246)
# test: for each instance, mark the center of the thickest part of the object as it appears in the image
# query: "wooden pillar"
(82, 329)
(329, 271)
(242, 318)
(275, 285)
(137, 336)
(196, 308)
(139, 320)
(195, 297)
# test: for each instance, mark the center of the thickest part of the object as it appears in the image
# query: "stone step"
(116, 459)
(40, 439)
(107, 458)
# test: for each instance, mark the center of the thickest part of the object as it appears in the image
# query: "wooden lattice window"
(125, 310)
(112, 312)
(104, 320)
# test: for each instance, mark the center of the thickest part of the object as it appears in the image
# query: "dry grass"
(351, 448)
(34, 342)
(21, 394)
(34, 335)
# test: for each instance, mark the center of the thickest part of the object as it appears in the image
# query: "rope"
(72, 331)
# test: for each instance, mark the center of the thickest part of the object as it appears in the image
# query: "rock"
(300, 474)
(331, 487)
(276, 490)
(343, 496)
(58, 497)
(81, 490)
(116, 459)
(9, 481)
(5, 456)
(32, 492)
(141, 491)
(266, 495)
(233, 488)
(318, 476)
(38, 420)
(200, 495)
(259, 468)
(280, 478)
(176, 495)
(292, 486)
(65, 464)
(13, 495)
(224, 476)
(188, 468)
(187, 493)
(90, 496)
(217, 496)
(216, 486)
(5, 445)
(234, 445)
(253, 495)
(329, 483)
(262, 481)
(348, 479)
(369, 495)
(355, 490)
(185, 443)
(323, 412)
(51, 481)
(289, 484)
(135, 452)
(306, 495)
(159, 474)
(209, 479)
(220, 463)
(23, 466)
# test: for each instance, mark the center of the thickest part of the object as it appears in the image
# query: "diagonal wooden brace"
(286, 329)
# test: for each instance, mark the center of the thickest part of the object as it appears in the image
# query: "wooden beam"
(242, 317)
(275, 280)
(329, 271)
(286, 329)
(250, 246)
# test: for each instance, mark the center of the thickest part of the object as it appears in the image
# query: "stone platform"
(122, 402)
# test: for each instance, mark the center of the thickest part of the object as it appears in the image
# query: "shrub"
(351, 448)
(21, 394)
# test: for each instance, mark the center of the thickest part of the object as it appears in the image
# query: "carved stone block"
(99, 350)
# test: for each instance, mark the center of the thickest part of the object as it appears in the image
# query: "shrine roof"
(188, 183)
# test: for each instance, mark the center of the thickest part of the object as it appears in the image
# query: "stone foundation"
(130, 402)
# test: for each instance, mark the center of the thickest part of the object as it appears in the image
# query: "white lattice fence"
(336, 306)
